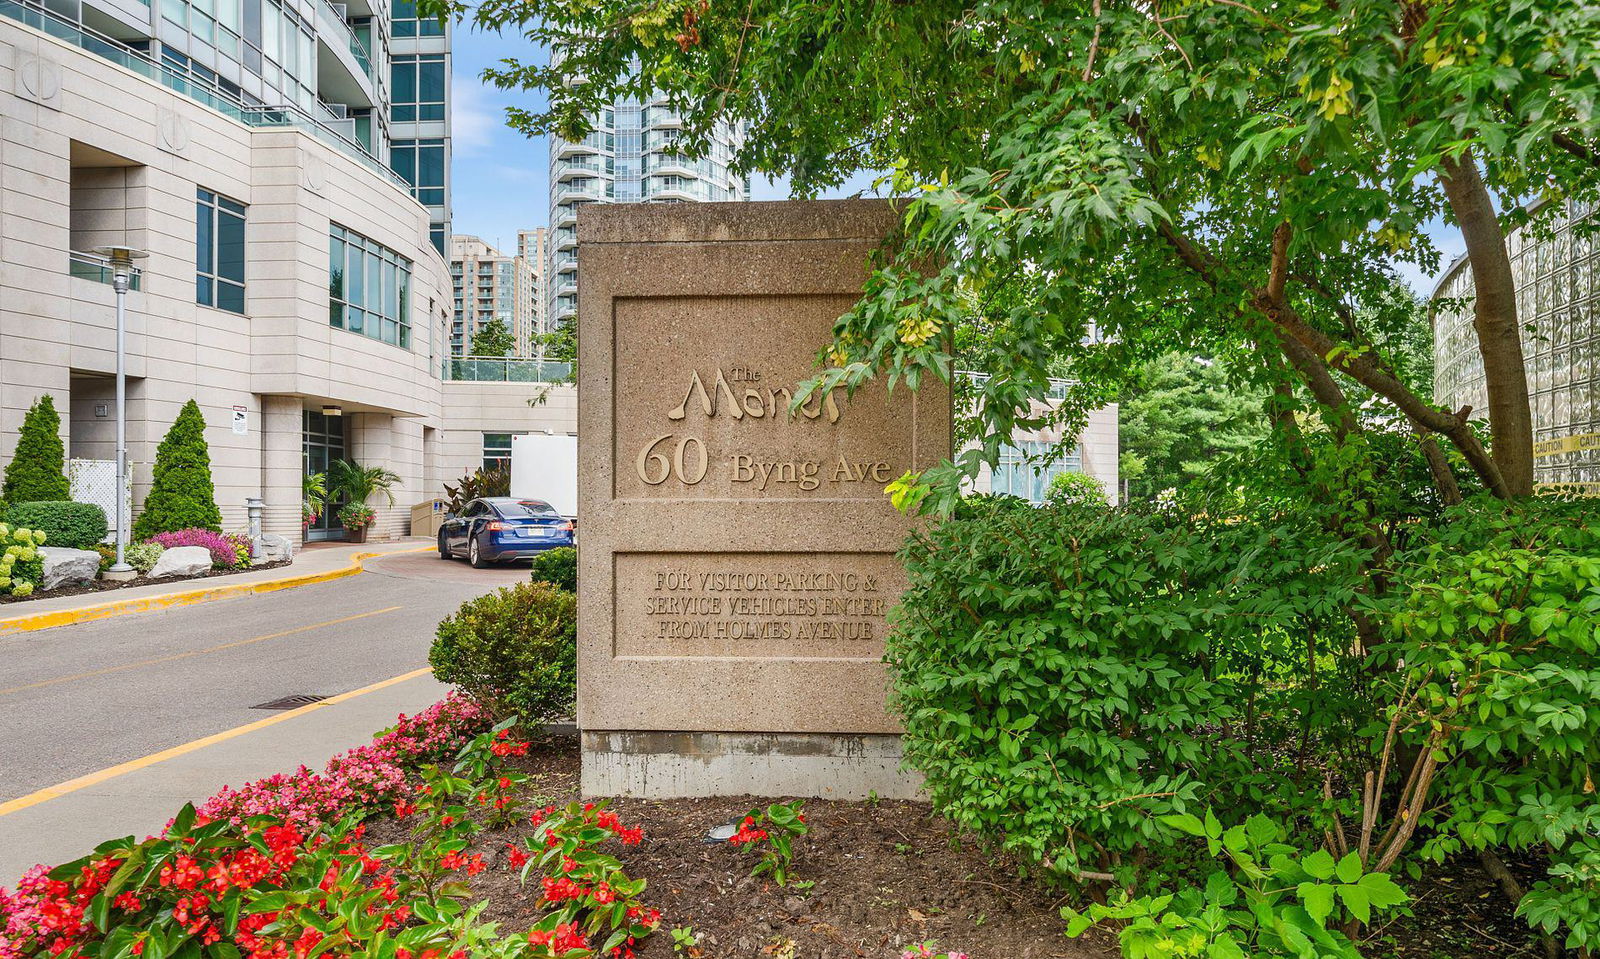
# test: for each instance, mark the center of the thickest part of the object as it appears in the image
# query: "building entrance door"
(324, 442)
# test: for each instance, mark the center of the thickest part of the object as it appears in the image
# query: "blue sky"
(501, 178)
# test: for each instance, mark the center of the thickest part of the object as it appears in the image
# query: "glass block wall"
(1558, 295)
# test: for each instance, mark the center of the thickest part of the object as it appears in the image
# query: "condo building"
(293, 283)
(1555, 263)
(489, 285)
(632, 155)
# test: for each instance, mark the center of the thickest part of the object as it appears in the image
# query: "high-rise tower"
(630, 156)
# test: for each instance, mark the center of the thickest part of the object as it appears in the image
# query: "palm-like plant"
(360, 483)
(314, 494)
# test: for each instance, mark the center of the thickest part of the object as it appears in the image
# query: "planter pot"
(357, 535)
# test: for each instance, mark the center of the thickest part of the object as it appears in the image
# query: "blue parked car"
(497, 528)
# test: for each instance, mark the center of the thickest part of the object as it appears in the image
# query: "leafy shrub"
(1276, 900)
(182, 495)
(141, 556)
(21, 566)
(495, 481)
(242, 546)
(36, 472)
(514, 650)
(1075, 682)
(1491, 680)
(558, 567)
(1076, 488)
(1068, 676)
(69, 524)
(224, 551)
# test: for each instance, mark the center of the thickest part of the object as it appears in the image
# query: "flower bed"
(283, 867)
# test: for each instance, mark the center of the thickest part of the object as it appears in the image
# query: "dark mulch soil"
(874, 877)
(868, 880)
(103, 585)
(1457, 910)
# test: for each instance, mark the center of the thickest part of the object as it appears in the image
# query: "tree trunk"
(1495, 319)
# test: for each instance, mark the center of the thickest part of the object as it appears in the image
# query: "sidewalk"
(137, 798)
(318, 562)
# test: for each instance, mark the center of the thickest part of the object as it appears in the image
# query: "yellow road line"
(195, 652)
(133, 765)
(28, 622)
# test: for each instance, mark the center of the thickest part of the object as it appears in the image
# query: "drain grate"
(291, 702)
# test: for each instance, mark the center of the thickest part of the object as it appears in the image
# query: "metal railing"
(93, 266)
(287, 115)
(506, 369)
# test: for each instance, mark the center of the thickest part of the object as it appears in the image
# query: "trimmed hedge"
(514, 650)
(68, 524)
(558, 567)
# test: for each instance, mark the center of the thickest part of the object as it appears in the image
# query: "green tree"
(182, 494)
(36, 472)
(1180, 418)
(1224, 177)
(493, 338)
(561, 343)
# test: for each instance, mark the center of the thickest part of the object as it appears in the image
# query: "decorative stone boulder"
(182, 561)
(275, 548)
(68, 567)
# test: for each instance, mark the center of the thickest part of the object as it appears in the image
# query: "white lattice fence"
(95, 481)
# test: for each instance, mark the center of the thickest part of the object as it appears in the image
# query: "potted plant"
(358, 484)
(356, 518)
(313, 500)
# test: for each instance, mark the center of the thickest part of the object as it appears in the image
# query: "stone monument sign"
(736, 560)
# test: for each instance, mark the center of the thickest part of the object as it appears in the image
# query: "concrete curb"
(30, 622)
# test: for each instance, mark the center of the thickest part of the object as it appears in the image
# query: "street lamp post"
(121, 258)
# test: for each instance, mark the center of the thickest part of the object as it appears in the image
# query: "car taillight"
(497, 526)
(568, 526)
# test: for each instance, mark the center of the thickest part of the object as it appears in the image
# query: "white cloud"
(474, 119)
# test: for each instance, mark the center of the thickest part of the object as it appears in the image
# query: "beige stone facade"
(93, 154)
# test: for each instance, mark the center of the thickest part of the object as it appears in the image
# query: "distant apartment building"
(293, 284)
(632, 155)
(533, 246)
(1556, 268)
(489, 285)
(1026, 469)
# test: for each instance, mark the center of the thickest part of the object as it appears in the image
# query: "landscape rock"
(182, 561)
(275, 548)
(68, 567)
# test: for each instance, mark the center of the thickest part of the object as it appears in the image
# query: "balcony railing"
(93, 266)
(357, 48)
(565, 193)
(506, 369)
(125, 56)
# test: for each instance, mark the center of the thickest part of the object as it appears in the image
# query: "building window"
(421, 162)
(369, 288)
(496, 451)
(219, 251)
(1019, 472)
(406, 23)
(436, 234)
(417, 90)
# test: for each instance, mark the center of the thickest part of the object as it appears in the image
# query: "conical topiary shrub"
(35, 473)
(182, 495)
